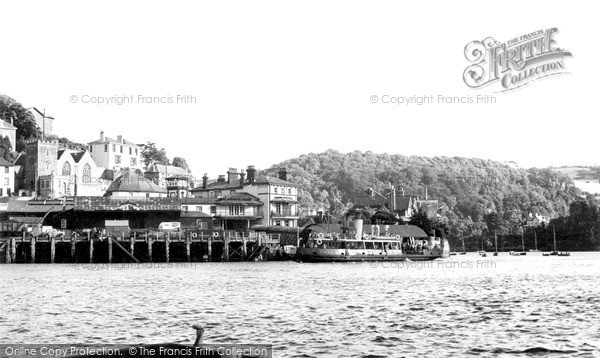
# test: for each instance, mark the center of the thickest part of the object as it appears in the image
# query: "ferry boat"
(383, 243)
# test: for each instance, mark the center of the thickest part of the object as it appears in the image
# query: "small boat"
(482, 253)
(453, 254)
(513, 253)
(555, 252)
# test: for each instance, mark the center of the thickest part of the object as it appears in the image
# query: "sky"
(272, 80)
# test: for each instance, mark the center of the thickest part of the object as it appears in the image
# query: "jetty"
(182, 246)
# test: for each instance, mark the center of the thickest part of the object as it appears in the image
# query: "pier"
(183, 246)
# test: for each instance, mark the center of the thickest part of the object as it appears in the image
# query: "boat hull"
(341, 255)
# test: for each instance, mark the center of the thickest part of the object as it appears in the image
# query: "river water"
(463, 305)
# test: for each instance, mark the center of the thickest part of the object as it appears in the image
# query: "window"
(133, 162)
(114, 148)
(0, 191)
(198, 208)
(117, 159)
(184, 208)
(6, 169)
(201, 224)
(8, 192)
(47, 152)
(66, 170)
(275, 189)
(277, 223)
(236, 210)
(106, 148)
(287, 223)
(121, 149)
(290, 191)
(213, 210)
(87, 173)
(130, 151)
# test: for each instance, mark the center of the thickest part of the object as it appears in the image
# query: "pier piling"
(167, 242)
(110, 250)
(33, 250)
(52, 250)
(91, 250)
(209, 248)
(150, 248)
(188, 243)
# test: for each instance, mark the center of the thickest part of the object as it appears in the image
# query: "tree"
(181, 163)
(421, 220)
(152, 155)
(22, 119)
(6, 149)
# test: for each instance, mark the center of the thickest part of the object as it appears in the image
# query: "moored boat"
(384, 242)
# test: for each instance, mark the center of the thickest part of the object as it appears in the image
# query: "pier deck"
(166, 247)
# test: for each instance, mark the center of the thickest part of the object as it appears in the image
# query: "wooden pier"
(165, 247)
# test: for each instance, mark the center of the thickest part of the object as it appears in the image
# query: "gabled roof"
(264, 179)
(5, 163)
(132, 181)
(403, 202)
(6, 125)
(112, 141)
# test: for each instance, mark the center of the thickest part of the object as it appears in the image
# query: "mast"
(523, 239)
(554, 234)
(535, 238)
(496, 240)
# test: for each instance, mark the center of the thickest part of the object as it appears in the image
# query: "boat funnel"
(358, 225)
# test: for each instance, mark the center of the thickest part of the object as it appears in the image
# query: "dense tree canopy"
(21, 118)
(480, 194)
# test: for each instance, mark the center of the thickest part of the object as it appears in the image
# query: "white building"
(134, 185)
(116, 154)
(278, 196)
(7, 178)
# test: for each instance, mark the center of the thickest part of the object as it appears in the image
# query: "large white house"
(116, 154)
(278, 198)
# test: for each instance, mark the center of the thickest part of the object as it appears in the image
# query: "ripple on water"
(528, 307)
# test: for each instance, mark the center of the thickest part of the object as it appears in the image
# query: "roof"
(110, 140)
(168, 170)
(41, 113)
(7, 125)
(5, 163)
(98, 203)
(132, 181)
(37, 206)
(196, 201)
(239, 198)
(374, 201)
(403, 202)
(260, 180)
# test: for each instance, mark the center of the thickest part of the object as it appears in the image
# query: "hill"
(471, 188)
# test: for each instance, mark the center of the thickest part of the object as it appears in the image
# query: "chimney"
(370, 192)
(242, 177)
(221, 179)
(232, 175)
(120, 138)
(204, 181)
(102, 136)
(251, 174)
(283, 173)
(12, 122)
(320, 215)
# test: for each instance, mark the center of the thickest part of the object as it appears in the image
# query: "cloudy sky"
(273, 79)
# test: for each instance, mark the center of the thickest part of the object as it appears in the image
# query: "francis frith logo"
(514, 63)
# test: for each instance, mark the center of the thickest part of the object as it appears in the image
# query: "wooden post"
(91, 250)
(110, 250)
(167, 242)
(226, 247)
(13, 249)
(188, 242)
(149, 248)
(52, 250)
(209, 248)
(132, 245)
(33, 250)
(73, 249)
(244, 248)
